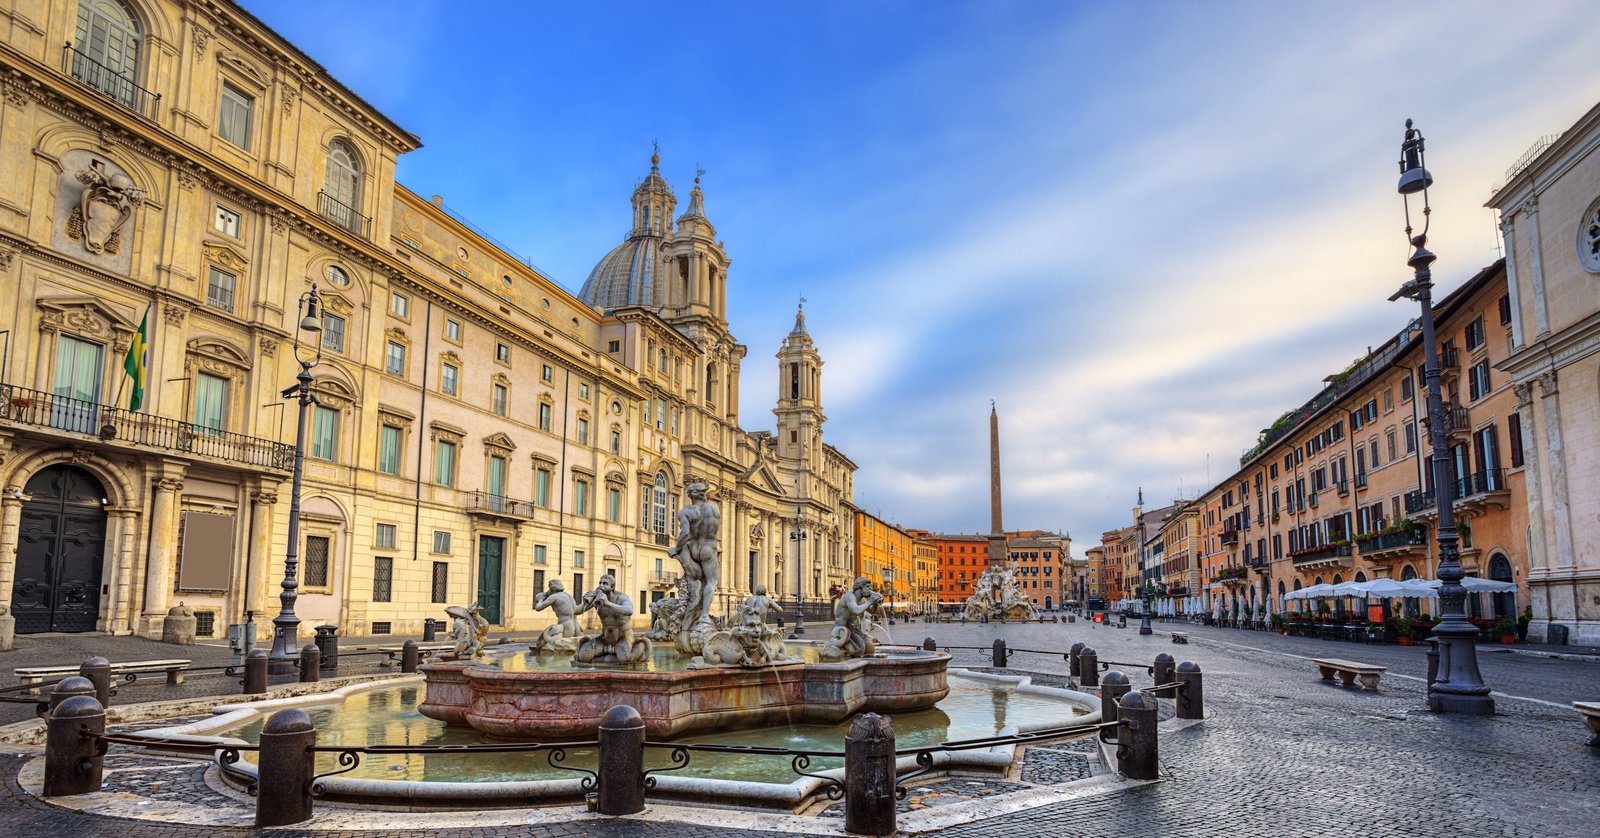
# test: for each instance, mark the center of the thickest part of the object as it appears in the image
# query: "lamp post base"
(285, 658)
(1465, 704)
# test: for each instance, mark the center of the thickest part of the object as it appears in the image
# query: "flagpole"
(144, 323)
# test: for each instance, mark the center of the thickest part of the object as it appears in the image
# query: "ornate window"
(342, 183)
(107, 44)
(1589, 238)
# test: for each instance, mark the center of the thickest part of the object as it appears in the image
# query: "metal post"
(621, 789)
(70, 688)
(869, 773)
(409, 656)
(310, 663)
(1191, 699)
(1113, 688)
(428, 630)
(72, 760)
(999, 654)
(1162, 671)
(928, 645)
(255, 672)
(283, 782)
(328, 645)
(1433, 661)
(1136, 740)
(98, 671)
(1088, 667)
(1072, 659)
(1460, 687)
(286, 626)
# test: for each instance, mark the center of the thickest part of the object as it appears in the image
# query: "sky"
(1143, 229)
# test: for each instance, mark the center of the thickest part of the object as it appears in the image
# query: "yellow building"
(885, 554)
(925, 577)
(189, 175)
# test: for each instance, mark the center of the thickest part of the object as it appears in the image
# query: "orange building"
(1043, 567)
(961, 559)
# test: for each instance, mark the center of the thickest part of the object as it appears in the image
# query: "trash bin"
(328, 644)
(1558, 635)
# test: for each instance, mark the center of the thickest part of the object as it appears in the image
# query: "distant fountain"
(997, 595)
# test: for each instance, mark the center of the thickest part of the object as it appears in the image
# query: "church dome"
(630, 275)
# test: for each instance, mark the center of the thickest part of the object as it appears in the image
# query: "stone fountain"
(997, 595)
(740, 675)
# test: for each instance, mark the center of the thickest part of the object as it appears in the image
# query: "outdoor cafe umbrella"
(1476, 585)
(1386, 589)
(1313, 592)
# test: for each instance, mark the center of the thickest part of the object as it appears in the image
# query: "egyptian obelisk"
(997, 533)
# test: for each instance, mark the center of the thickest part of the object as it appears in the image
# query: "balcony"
(343, 215)
(117, 87)
(663, 579)
(1260, 564)
(499, 506)
(1420, 503)
(1313, 500)
(1230, 536)
(1321, 557)
(1233, 577)
(1403, 543)
(1342, 487)
(35, 409)
(1482, 491)
(1361, 481)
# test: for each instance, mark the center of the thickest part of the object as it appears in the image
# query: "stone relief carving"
(269, 347)
(1547, 383)
(175, 313)
(104, 208)
(290, 97)
(265, 498)
(6, 257)
(225, 256)
(1524, 391)
(202, 37)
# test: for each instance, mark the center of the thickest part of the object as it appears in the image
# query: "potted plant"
(1278, 625)
(1505, 629)
(1405, 632)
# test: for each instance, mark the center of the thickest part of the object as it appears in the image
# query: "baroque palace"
(178, 175)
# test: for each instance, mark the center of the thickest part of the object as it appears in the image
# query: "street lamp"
(1460, 687)
(286, 626)
(1146, 588)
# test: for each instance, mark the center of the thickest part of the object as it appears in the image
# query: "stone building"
(886, 554)
(1550, 220)
(182, 172)
(962, 559)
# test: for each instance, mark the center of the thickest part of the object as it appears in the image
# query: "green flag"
(137, 362)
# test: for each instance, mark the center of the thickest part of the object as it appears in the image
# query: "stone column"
(158, 579)
(258, 563)
(1533, 489)
(122, 532)
(1555, 452)
(10, 523)
(1541, 314)
(1508, 235)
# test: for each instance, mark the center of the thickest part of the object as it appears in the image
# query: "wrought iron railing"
(1419, 500)
(112, 84)
(1322, 553)
(343, 215)
(1393, 540)
(36, 408)
(1483, 482)
(486, 502)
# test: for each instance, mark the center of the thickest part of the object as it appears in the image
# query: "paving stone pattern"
(1282, 753)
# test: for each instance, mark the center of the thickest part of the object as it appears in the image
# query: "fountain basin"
(545, 705)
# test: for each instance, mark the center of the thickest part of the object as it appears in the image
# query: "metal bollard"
(1072, 659)
(255, 672)
(1088, 667)
(928, 645)
(72, 760)
(1191, 699)
(70, 687)
(310, 664)
(1162, 671)
(1000, 654)
(283, 782)
(869, 772)
(1112, 688)
(1136, 739)
(409, 656)
(621, 789)
(1433, 661)
(428, 630)
(328, 645)
(98, 671)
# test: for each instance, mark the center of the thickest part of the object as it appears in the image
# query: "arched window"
(107, 49)
(342, 185)
(1505, 605)
(1412, 608)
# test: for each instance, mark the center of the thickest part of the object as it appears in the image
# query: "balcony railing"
(1419, 501)
(1227, 573)
(38, 409)
(1361, 481)
(1449, 359)
(113, 85)
(1392, 541)
(486, 503)
(664, 577)
(1342, 487)
(1322, 553)
(1230, 536)
(1483, 482)
(1313, 500)
(343, 214)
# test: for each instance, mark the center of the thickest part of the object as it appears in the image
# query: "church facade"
(179, 179)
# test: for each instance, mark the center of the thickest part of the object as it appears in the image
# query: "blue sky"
(1144, 229)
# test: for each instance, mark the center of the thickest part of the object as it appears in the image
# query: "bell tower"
(799, 409)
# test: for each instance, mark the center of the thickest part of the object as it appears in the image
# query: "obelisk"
(997, 533)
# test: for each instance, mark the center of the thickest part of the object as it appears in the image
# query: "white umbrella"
(1316, 591)
(1385, 589)
(1475, 585)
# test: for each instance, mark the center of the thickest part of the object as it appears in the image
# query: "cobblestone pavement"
(1282, 753)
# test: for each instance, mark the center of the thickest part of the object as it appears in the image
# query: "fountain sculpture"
(997, 595)
(468, 630)
(562, 636)
(736, 676)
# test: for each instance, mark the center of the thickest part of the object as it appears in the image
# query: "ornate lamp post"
(286, 626)
(1460, 687)
(1146, 589)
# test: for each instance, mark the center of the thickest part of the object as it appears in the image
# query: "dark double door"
(60, 548)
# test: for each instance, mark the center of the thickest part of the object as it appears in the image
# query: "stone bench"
(1180, 637)
(1590, 710)
(37, 674)
(1349, 671)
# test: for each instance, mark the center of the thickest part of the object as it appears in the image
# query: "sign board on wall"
(205, 557)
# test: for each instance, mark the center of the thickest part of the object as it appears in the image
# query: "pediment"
(225, 255)
(219, 350)
(234, 61)
(500, 440)
(88, 316)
